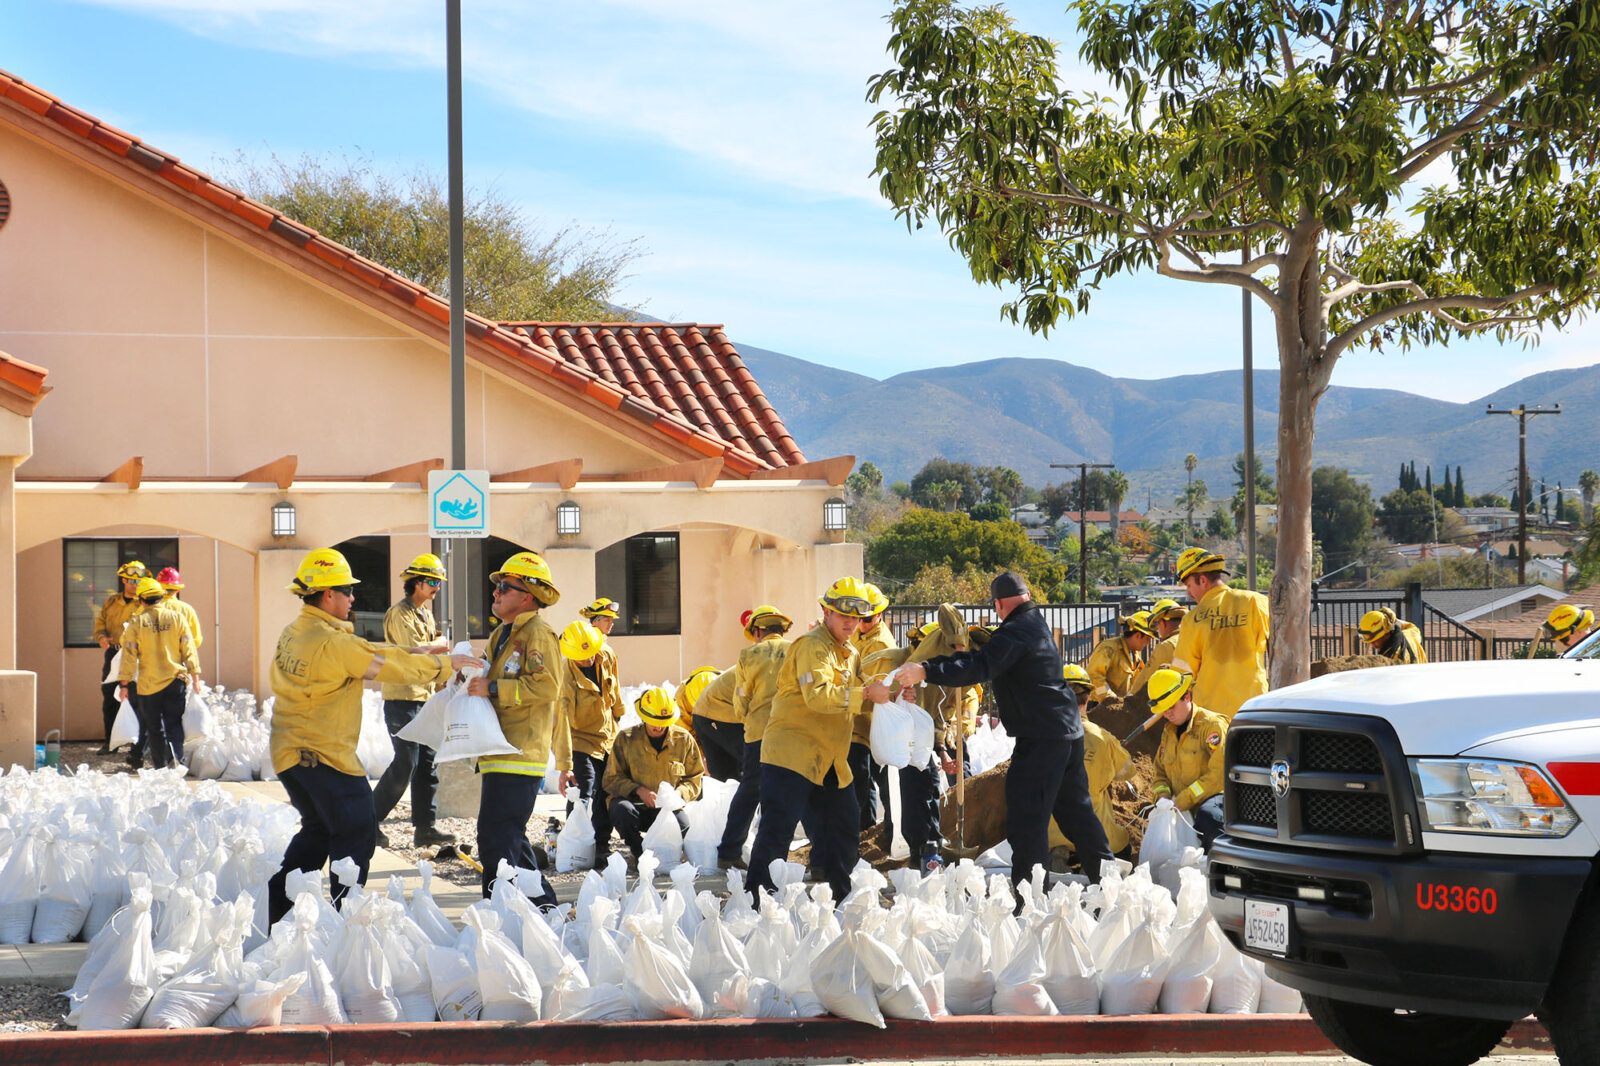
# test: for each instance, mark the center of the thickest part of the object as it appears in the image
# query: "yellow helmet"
(877, 599)
(1076, 676)
(848, 596)
(1199, 561)
(604, 607)
(132, 571)
(531, 568)
(1167, 686)
(926, 630)
(1139, 622)
(1165, 610)
(1375, 625)
(581, 640)
(1566, 619)
(425, 565)
(693, 685)
(321, 569)
(150, 589)
(765, 617)
(656, 707)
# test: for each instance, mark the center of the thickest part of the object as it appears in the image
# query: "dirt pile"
(1121, 717)
(1336, 664)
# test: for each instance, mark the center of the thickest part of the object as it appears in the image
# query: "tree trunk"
(1298, 393)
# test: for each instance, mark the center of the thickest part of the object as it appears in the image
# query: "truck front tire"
(1569, 1004)
(1383, 1037)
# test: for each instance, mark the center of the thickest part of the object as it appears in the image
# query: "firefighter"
(1108, 765)
(1386, 634)
(1166, 616)
(805, 750)
(525, 682)
(646, 756)
(410, 624)
(1223, 640)
(317, 675)
(1022, 663)
(588, 703)
(158, 657)
(1115, 661)
(709, 693)
(1568, 624)
(1189, 763)
(755, 683)
(172, 584)
(873, 636)
(114, 613)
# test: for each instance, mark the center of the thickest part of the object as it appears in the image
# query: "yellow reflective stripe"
(511, 766)
(1198, 789)
(1163, 789)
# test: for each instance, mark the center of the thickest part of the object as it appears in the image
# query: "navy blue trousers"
(1046, 778)
(1208, 820)
(833, 820)
(161, 723)
(336, 822)
(862, 768)
(742, 808)
(722, 743)
(919, 809)
(503, 812)
(413, 765)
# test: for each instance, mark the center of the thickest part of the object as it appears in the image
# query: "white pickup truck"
(1415, 848)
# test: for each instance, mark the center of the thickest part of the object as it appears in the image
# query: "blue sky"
(729, 136)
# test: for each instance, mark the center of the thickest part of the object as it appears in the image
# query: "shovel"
(1149, 724)
(959, 850)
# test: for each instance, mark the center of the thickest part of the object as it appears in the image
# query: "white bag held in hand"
(197, 721)
(893, 733)
(575, 842)
(428, 726)
(114, 669)
(922, 736)
(125, 727)
(472, 729)
(1167, 834)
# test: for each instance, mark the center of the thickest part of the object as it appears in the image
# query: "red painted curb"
(724, 1040)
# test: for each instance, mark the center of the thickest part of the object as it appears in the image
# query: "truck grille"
(1320, 780)
(1351, 897)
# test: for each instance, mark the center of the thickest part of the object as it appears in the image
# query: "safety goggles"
(506, 586)
(851, 605)
(431, 582)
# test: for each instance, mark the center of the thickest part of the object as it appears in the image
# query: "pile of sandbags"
(224, 736)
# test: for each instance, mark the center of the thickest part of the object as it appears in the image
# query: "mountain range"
(1029, 413)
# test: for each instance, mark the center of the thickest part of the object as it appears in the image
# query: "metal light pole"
(457, 600)
(1522, 411)
(1249, 438)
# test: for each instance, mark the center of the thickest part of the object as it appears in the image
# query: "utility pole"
(456, 601)
(1083, 538)
(1522, 411)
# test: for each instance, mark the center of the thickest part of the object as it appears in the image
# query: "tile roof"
(729, 418)
(23, 375)
(690, 370)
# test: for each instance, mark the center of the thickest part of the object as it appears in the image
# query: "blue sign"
(458, 503)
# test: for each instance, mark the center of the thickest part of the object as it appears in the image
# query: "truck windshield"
(1587, 648)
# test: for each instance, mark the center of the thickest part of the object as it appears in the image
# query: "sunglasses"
(506, 586)
(431, 582)
(345, 590)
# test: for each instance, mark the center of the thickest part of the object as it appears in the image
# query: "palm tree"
(1189, 463)
(1588, 484)
(1116, 491)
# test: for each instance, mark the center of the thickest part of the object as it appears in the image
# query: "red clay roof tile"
(23, 374)
(647, 370)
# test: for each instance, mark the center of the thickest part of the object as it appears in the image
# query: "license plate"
(1266, 926)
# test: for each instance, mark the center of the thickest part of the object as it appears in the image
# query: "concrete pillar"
(17, 725)
(276, 607)
(8, 562)
(572, 569)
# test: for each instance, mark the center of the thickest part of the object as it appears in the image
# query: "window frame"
(620, 564)
(128, 549)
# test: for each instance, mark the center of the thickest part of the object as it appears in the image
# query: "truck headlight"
(1476, 796)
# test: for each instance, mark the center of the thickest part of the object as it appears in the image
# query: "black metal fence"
(1078, 627)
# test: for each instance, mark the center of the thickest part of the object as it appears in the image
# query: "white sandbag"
(316, 1000)
(1236, 984)
(1132, 978)
(717, 962)
(472, 729)
(669, 799)
(456, 997)
(65, 889)
(124, 727)
(260, 1002)
(19, 891)
(1166, 836)
(108, 884)
(1019, 987)
(121, 991)
(374, 747)
(207, 759)
(708, 818)
(841, 981)
(1278, 998)
(968, 981)
(510, 988)
(363, 977)
(425, 909)
(574, 1000)
(922, 737)
(924, 971)
(1196, 955)
(199, 993)
(893, 732)
(197, 718)
(899, 995)
(664, 838)
(427, 727)
(575, 842)
(1071, 978)
(657, 982)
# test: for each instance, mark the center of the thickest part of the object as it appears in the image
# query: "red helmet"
(170, 578)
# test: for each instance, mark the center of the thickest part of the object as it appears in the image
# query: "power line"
(1522, 412)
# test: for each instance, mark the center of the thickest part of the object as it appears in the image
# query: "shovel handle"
(1142, 730)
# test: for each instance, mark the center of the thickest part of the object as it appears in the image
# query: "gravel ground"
(31, 1009)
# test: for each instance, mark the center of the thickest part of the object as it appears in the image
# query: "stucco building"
(208, 360)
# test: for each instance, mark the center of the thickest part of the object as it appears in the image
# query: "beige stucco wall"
(126, 299)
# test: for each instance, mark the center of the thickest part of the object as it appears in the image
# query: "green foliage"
(930, 487)
(990, 512)
(1266, 490)
(923, 537)
(1462, 571)
(1219, 525)
(937, 583)
(1002, 485)
(513, 271)
(865, 478)
(1410, 516)
(902, 489)
(1490, 499)
(1341, 514)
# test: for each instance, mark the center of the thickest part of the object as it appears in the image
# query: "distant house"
(1099, 521)
(1413, 553)
(1550, 571)
(1487, 519)
(1483, 605)
(1028, 516)
(1537, 547)
(1169, 517)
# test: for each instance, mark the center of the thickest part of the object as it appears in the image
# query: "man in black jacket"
(1022, 666)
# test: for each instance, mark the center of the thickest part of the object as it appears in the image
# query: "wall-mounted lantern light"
(835, 515)
(567, 519)
(283, 519)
